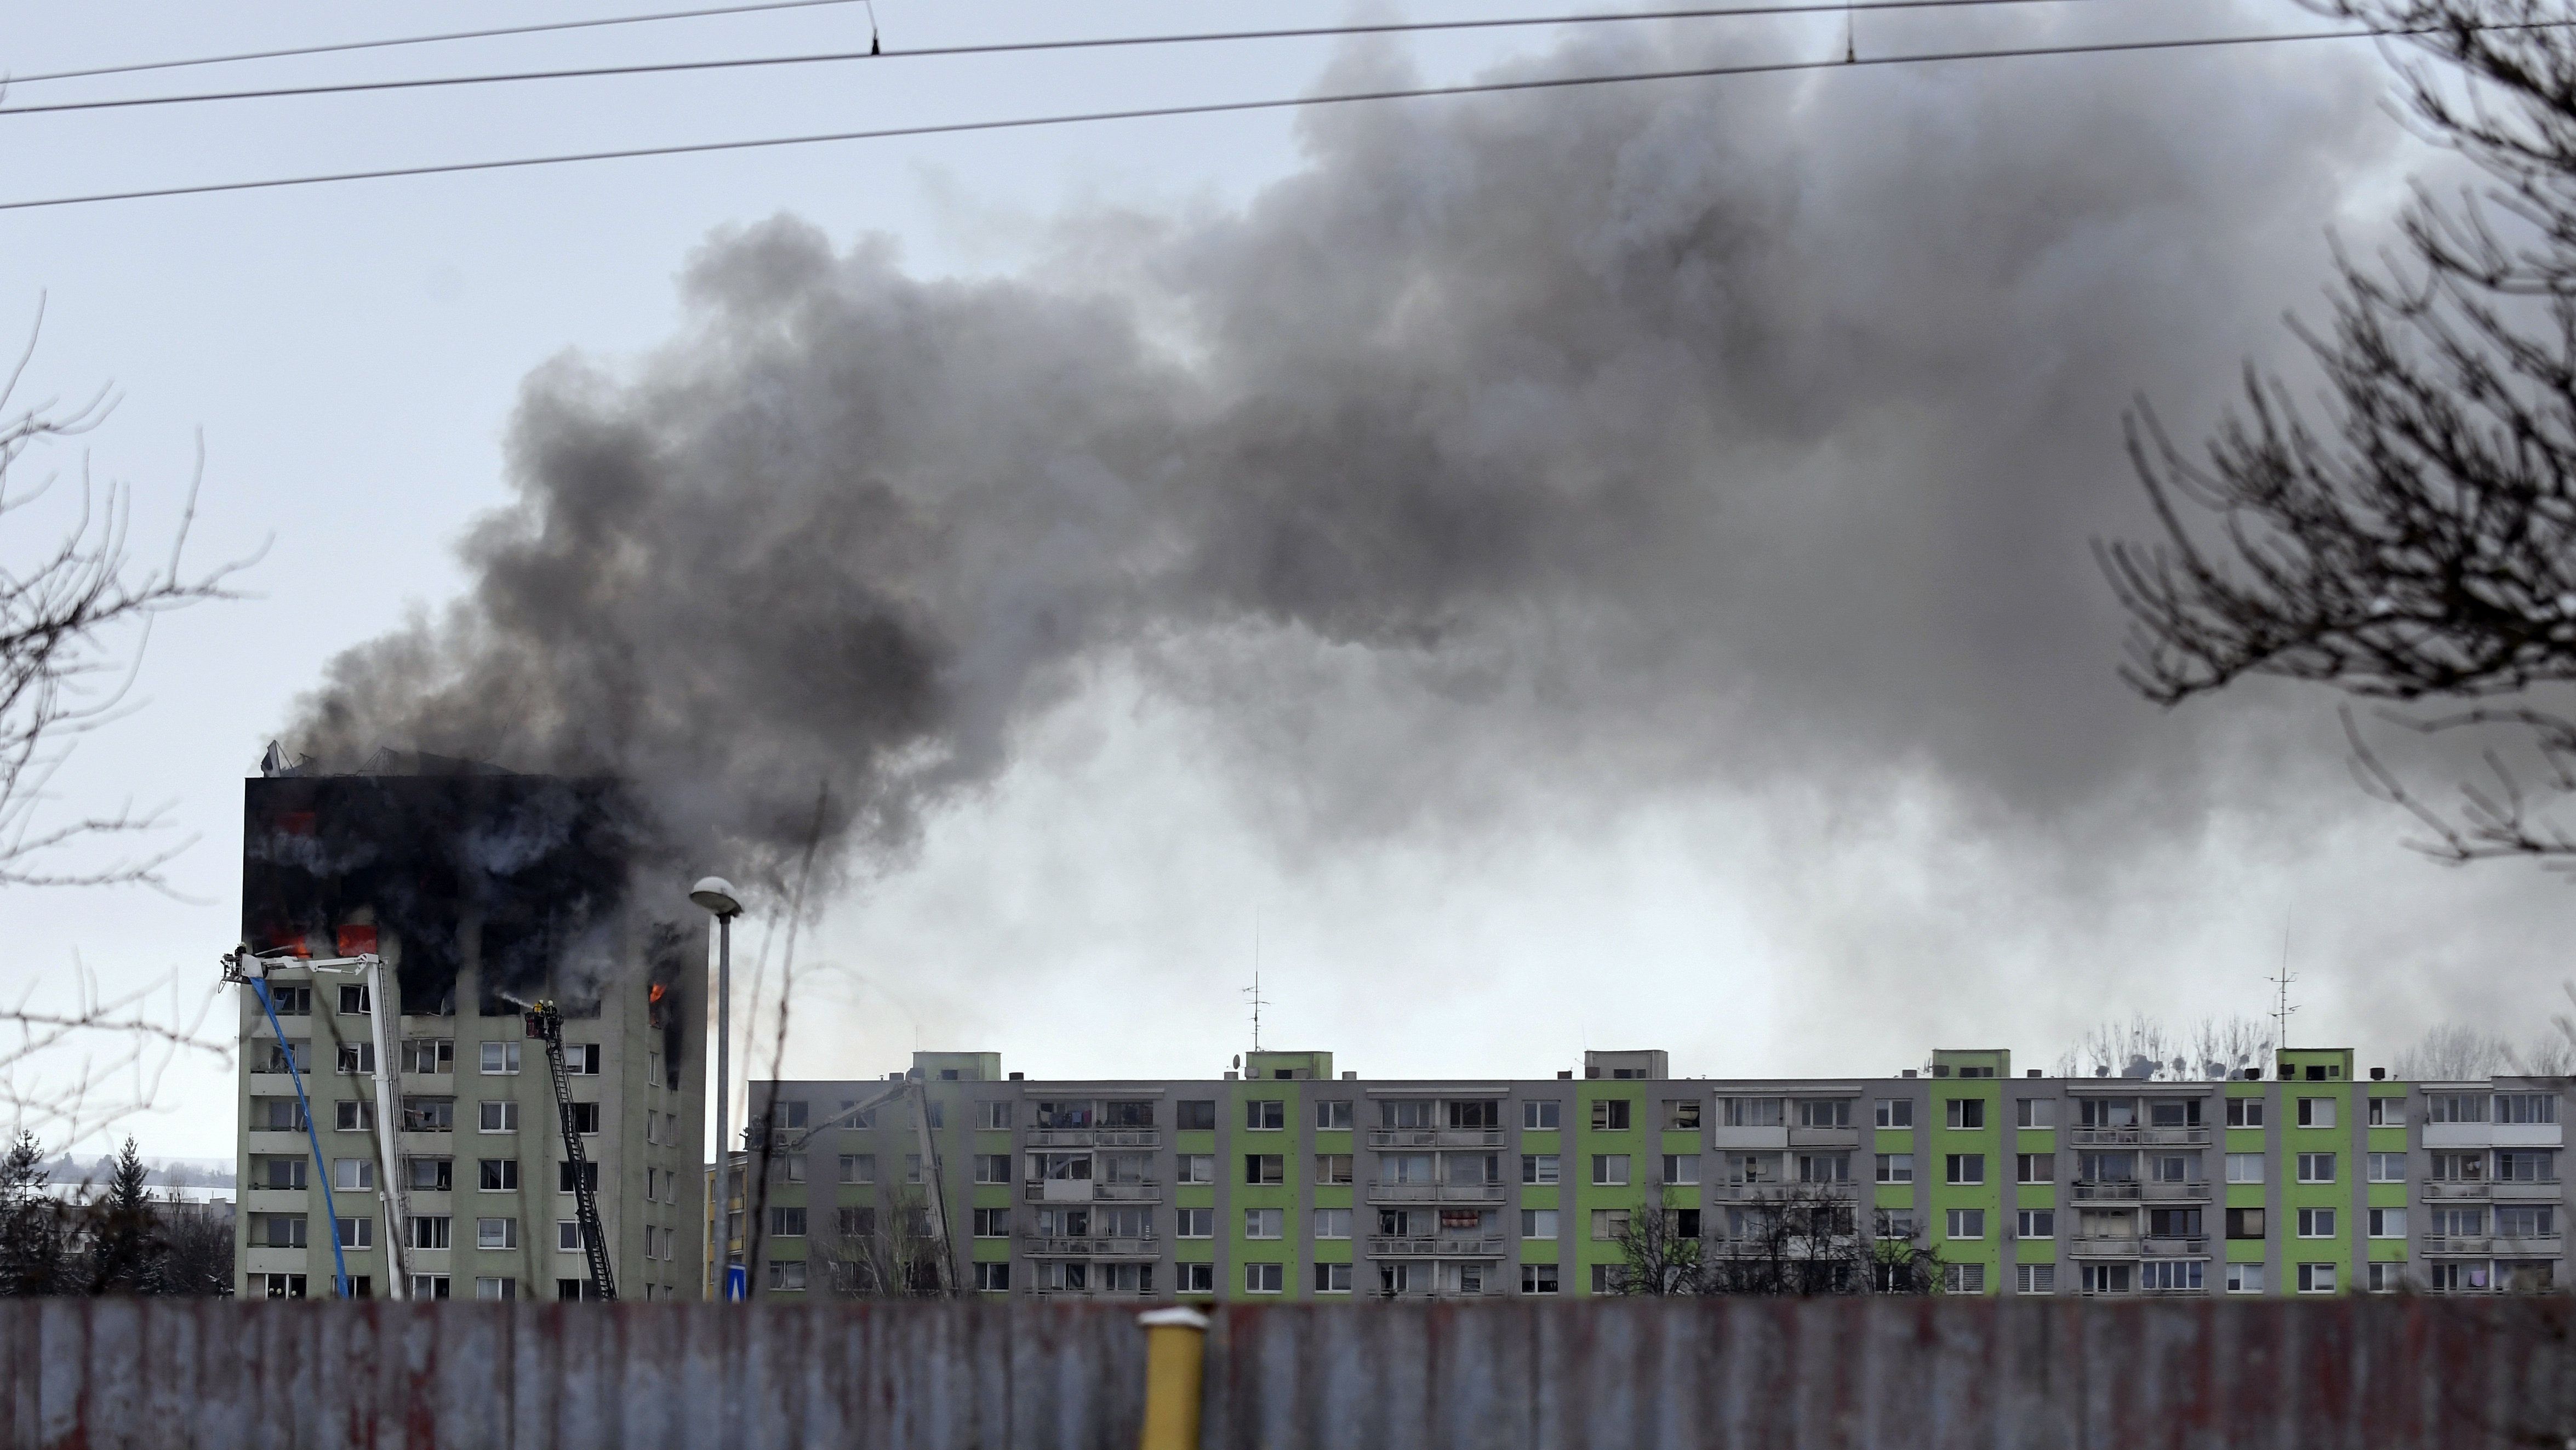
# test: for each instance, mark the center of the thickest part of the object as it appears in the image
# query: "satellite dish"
(1238, 1062)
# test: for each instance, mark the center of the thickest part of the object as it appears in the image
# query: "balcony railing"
(1737, 1188)
(1824, 1137)
(1096, 1247)
(1382, 1138)
(1094, 1138)
(2108, 1190)
(1489, 1247)
(2480, 1190)
(2140, 1137)
(1057, 1190)
(2524, 1189)
(1144, 1190)
(2103, 1246)
(2185, 1191)
(1435, 1193)
(2458, 1244)
(2173, 1248)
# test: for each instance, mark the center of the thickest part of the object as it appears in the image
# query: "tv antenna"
(1258, 1002)
(2281, 1008)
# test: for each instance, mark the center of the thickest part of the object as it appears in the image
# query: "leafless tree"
(2414, 546)
(2222, 1047)
(1807, 1239)
(2139, 1047)
(2453, 1053)
(1661, 1251)
(892, 1256)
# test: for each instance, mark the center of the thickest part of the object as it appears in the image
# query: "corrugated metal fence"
(1779, 1375)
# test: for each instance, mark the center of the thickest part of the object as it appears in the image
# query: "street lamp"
(716, 895)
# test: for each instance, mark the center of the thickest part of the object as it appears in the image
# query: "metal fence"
(1692, 1375)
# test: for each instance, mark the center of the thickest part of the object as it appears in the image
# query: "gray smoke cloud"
(1583, 443)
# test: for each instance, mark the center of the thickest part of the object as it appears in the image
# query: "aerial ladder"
(546, 1024)
(934, 1202)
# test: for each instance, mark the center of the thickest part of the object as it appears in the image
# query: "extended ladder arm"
(545, 1023)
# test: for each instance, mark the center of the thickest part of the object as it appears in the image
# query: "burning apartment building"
(483, 893)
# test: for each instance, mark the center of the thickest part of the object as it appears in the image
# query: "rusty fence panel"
(1867, 1374)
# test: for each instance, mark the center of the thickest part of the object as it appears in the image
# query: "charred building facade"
(482, 892)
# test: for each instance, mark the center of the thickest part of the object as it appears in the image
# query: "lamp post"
(715, 894)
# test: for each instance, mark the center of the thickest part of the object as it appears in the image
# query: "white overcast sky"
(350, 356)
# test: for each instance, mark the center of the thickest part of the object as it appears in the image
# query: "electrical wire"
(350, 45)
(1013, 47)
(1215, 108)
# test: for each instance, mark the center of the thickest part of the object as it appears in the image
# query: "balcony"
(1490, 1247)
(2172, 1248)
(1095, 1248)
(1435, 1192)
(1384, 1138)
(1146, 1190)
(1057, 1190)
(1824, 1137)
(1741, 1191)
(2534, 1246)
(2187, 1192)
(2176, 1138)
(2109, 1137)
(2103, 1246)
(2179, 1292)
(2458, 1245)
(1094, 1138)
(2478, 1192)
(2508, 1190)
(2109, 1190)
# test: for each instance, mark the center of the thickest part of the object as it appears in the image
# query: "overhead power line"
(342, 47)
(1215, 108)
(1012, 47)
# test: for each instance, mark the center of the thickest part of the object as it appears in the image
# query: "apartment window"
(1194, 1223)
(1605, 1279)
(1967, 1223)
(1610, 1115)
(1681, 1168)
(1263, 1278)
(992, 1223)
(2245, 1278)
(277, 1115)
(2035, 1113)
(496, 1233)
(2245, 1113)
(2244, 1167)
(1822, 1112)
(1331, 1223)
(357, 1233)
(1195, 1278)
(791, 1166)
(1895, 1167)
(2174, 1113)
(2520, 1221)
(2316, 1168)
(589, 1177)
(1609, 1169)
(993, 1117)
(2455, 1108)
(2172, 1274)
(1894, 1112)
(2459, 1167)
(858, 1223)
(1540, 1115)
(2463, 1223)
(2526, 1107)
(1964, 1278)
(1964, 1168)
(428, 1054)
(1332, 1278)
(1131, 1113)
(1609, 1224)
(436, 1115)
(2105, 1278)
(353, 1000)
(1890, 1225)
(490, 1117)
(429, 1231)
(1195, 1114)
(1265, 1168)
(993, 1278)
(500, 1058)
(277, 1230)
(2525, 1165)
(346, 1173)
(2035, 1278)
(862, 1168)
(2388, 1223)
(2316, 1278)
(2173, 1223)
(2036, 1223)
(423, 1286)
(1265, 1115)
(787, 1275)
(356, 1057)
(582, 1059)
(2387, 1167)
(1264, 1223)
(1966, 1112)
(1332, 1116)
(2316, 1223)
(1538, 1168)
(787, 1223)
(2316, 1112)
(497, 1175)
(2388, 1112)
(567, 1236)
(585, 1119)
(2034, 1168)
(1538, 1278)
(1408, 1113)
(2245, 1223)
(1824, 1168)
(989, 1168)
(1333, 1168)
(1538, 1223)
(2385, 1278)
(1751, 1112)
(429, 1175)
(1194, 1168)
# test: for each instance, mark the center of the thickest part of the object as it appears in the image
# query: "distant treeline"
(120, 1240)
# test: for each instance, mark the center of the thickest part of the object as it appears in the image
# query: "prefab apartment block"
(481, 891)
(1287, 1181)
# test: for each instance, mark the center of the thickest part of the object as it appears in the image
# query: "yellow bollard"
(1175, 1363)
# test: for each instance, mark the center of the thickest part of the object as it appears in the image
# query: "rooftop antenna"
(1254, 991)
(1851, 42)
(2281, 1008)
(873, 47)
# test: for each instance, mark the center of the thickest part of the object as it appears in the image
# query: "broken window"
(429, 1055)
(429, 1175)
(356, 1057)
